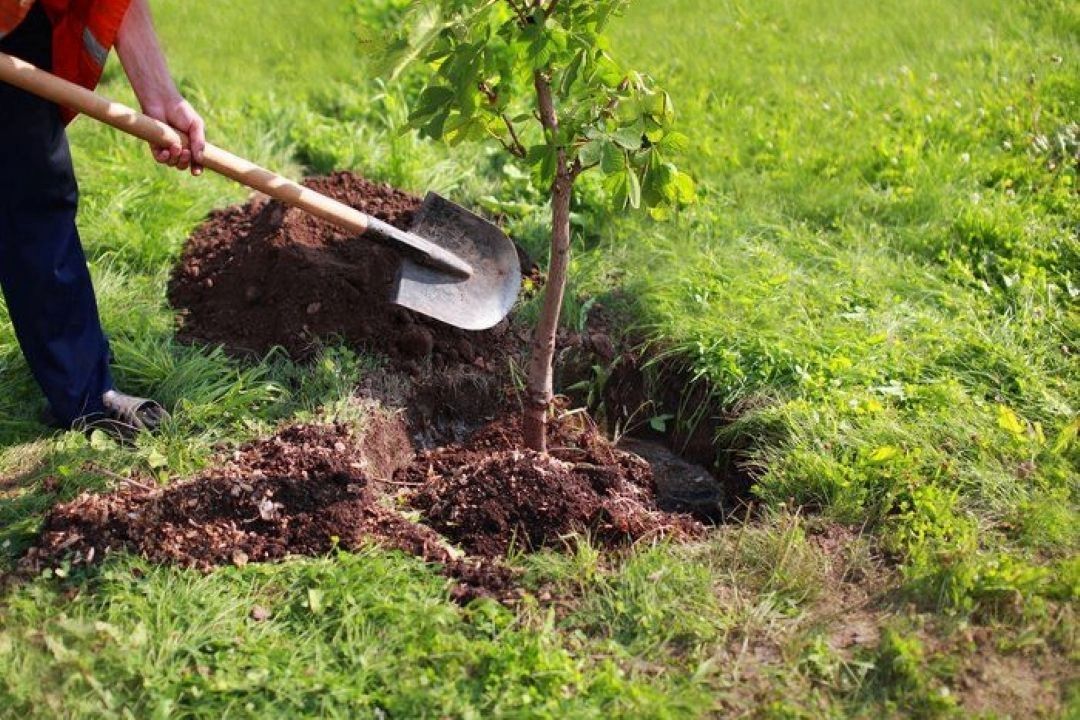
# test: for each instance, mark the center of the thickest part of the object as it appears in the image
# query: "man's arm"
(144, 63)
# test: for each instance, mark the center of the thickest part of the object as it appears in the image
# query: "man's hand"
(179, 114)
(141, 56)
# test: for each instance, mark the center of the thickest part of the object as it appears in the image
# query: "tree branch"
(577, 167)
(508, 147)
(548, 117)
(491, 95)
(518, 147)
(520, 12)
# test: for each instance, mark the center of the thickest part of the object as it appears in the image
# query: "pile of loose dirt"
(301, 492)
(312, 488)
(261, 275)
(490, 494)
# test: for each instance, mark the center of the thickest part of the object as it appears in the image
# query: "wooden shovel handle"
(46, 85)
(23, 75)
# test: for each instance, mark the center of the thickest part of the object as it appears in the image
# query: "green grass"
(887, 255)
(880, 277)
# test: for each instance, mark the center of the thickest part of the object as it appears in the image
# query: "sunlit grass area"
(879, 285)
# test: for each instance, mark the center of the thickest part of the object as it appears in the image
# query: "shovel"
(456, 267)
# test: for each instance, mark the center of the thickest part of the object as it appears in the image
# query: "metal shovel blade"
(474, 303)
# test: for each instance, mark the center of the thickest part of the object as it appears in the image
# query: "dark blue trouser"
(43, 271)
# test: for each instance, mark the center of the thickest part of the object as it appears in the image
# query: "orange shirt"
(12, 13)
(83, 33)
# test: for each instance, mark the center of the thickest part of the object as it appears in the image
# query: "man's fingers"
(197, 138)
(167, 155)
(197, 143)
(184, 118)
(175, 151)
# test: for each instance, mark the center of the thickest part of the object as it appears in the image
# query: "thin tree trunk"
(538, 384)
(539, 388)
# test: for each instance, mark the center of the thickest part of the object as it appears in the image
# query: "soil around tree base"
(261, 275)
(490, 494)
(311, 489)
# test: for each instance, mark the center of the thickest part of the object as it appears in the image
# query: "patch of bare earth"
(490, 494)
(310, 489)
(1016, 685)
(262, 275)
(305, 491)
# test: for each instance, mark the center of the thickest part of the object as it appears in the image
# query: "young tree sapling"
(537, 77)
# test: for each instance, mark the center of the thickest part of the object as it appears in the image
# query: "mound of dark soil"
(301, 492)
(261, 275)
(489, 494)
(312, 488)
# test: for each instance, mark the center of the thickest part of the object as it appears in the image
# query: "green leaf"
(659, 422)
(660, 107)
(156, 459)
(100, 441)
(628, 111)
(315, 601)
(1007, 420)
(570, 76)
(634, 190)
(612, 158)
(540, 51)
(686, 190)
(618, 185)
(591, 152)
(463, 127)
(425, 22)
(675, 142)
(607, 72)
(543, 160)
(433, 99)
(884, 454)
(434, 129)
(660, 213)
(662, 180)
(1067, 436)
(630, 137)
(535, 154)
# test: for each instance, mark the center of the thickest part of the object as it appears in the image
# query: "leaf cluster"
(493, 61)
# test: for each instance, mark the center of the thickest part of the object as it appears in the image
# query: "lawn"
(877, 290)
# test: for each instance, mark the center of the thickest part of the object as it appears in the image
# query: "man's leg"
(43, 271)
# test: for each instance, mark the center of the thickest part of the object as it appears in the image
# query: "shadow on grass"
(640, 388)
